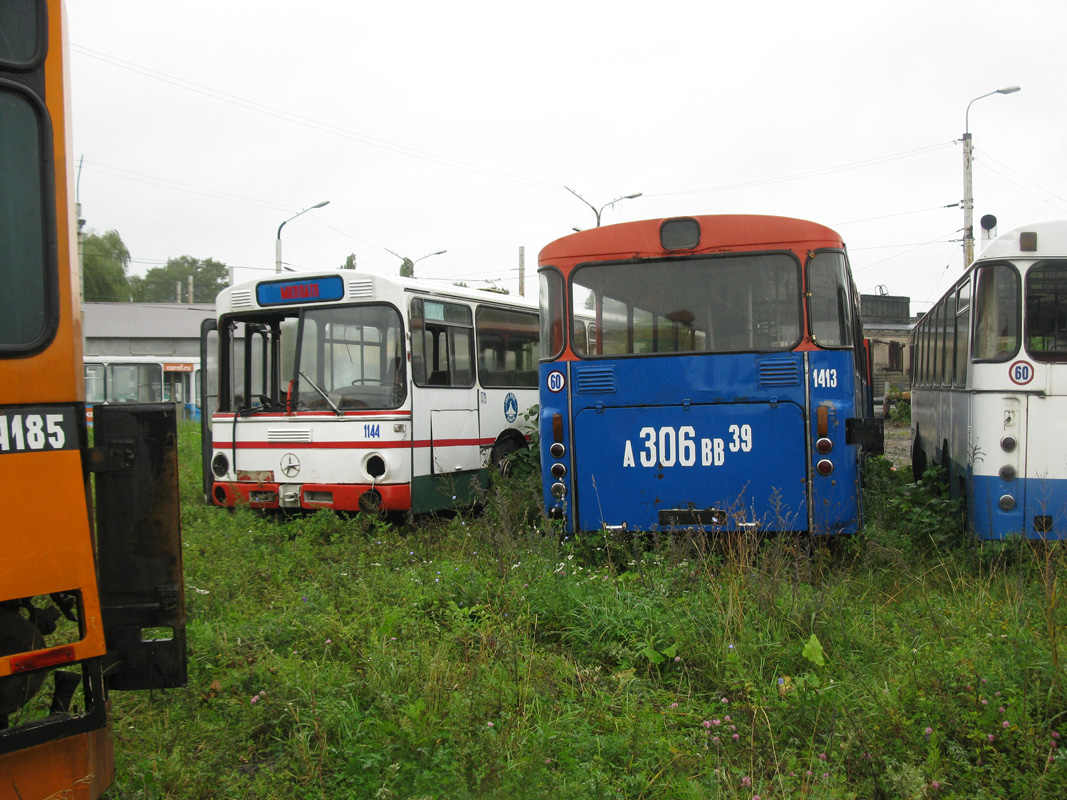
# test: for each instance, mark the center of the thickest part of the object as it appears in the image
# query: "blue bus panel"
(735, 449)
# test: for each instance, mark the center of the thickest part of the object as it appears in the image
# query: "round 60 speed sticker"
(555, 381)
(1021, 373)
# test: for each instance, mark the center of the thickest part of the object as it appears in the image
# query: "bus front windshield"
(350, 358)
(716, 304)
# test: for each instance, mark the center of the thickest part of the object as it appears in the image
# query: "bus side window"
(996, 325)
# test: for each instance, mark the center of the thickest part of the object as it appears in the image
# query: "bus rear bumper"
(368, 498)
(1035, 508)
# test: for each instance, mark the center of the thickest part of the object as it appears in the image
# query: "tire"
(918, 458)
(500, 457)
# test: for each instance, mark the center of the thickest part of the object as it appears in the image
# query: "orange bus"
(91, 592)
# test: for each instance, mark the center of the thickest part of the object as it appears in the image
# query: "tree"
(407, 269)
(160, 283)
(105, 260)
(350, 262)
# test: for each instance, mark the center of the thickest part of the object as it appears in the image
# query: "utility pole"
(522, 270)
(968, 187)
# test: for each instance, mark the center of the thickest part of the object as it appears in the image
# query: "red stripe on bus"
(353, 445)
(314, 415)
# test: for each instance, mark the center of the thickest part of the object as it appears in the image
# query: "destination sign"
(314, 290)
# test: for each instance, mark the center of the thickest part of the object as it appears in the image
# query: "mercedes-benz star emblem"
(290, 465)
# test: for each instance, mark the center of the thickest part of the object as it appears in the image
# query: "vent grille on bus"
(596, 380)
(362, 288)
(784, 372)
(241, 300)
(289, 435)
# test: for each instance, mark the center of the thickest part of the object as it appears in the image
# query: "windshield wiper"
(325, 396)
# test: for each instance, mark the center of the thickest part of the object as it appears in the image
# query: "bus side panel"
(79, 766)
(505, 409)
(832, 386)
(701, 466)
(1045, 470)
(554, 429)
(995, 417)
(47, 545)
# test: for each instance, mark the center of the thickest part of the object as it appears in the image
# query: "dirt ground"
(898, 445)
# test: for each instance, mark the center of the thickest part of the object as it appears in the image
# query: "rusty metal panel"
(142, 592)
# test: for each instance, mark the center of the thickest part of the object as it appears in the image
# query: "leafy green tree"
(160, 283)
(407, 269)
(350, 262)
(105, 260)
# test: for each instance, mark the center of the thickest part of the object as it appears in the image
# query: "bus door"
(445, 399)
(177, 380)
(1039, 456)
(209, 395)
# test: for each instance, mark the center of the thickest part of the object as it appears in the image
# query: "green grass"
(479, 656)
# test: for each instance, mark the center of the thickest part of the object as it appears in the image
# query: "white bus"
(143, 379)
(989, 396)
(362, 392)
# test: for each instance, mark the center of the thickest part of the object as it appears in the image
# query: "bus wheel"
(918, 458)
(500, 458)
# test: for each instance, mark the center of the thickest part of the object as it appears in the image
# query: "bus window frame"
(49, 244)
(846, 326)
(321, 345)
(40, 50)
(1002, 356)
(554, 326)
(800, 272)
(483, 374)
(421, 378)
(1058, 356)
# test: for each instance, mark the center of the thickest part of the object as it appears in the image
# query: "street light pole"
(968, 188)
(278, 239)
(405, 260)
(600, 210)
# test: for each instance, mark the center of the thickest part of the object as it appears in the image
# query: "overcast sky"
(204, 124)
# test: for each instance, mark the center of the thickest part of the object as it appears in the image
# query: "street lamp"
(596, 210)
(407, 262)
(968, 189)
(278, 240)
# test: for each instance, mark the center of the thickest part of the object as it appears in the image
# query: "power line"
(890, 216)
(1062, 205)
(307, 122)
(167, 183)
(810, 174)
(939, 240)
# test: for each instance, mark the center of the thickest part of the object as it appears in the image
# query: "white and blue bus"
(143, 379)
(363, 392)
(703, 373)
(989, 394)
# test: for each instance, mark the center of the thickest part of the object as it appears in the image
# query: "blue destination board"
(313, 290)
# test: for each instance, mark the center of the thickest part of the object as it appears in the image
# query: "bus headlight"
(824, 467)
(824, 446)
(1007, 444)
(1007, 473)
(558, 471)
(220, 465)
(374, 465)
(1007, 503)
(559, 491)
(557, 450)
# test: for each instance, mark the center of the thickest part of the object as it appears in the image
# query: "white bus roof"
(1051, 242)
(360, 287)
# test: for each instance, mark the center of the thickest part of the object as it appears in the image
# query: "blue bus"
(703, 373)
